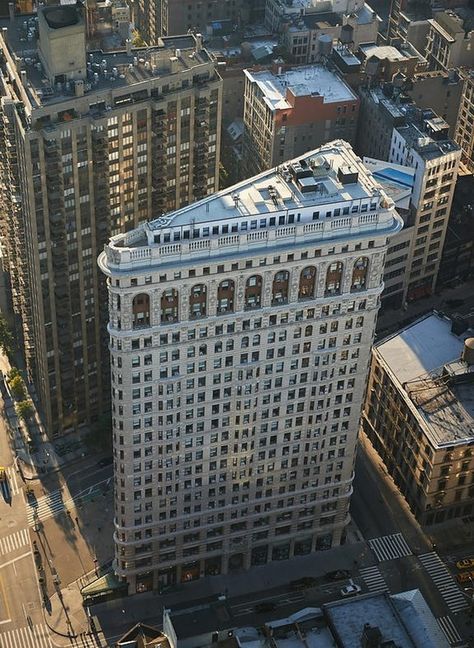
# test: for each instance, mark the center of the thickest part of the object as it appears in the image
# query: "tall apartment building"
(464, 135)
(408, 21)
(450, 40)
(439, 91)
(240, 330)
(177, 16)
(306, 37)
(292, 111)
(398, 132)
(280, 13)
(91, 144)
(419, 416)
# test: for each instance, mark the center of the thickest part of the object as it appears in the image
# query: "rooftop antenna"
(236, 199)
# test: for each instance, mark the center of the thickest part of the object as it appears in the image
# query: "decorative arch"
(141, 310)
(281, 282)
(169, 306)
(307, 283)
(253, 292)
(225, 297)
(359, 274)
(334, 278)
(198, 301)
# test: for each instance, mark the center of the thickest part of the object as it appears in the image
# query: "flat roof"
(277, 189)
(395, 622)
(327, 194)
(424, 359)
(308, 80)
(105, 69)
(382, 52)
(426, 147)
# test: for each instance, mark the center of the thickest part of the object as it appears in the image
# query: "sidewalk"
(390, 320)
(67, 614)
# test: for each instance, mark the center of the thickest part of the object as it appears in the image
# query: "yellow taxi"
(466, 563)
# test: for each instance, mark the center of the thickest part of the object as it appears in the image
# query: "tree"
(17, 388)
(6, 336)
(14, 371)
(24, 410)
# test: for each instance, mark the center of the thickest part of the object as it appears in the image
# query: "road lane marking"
(445, 583)
(4, 597)
(14, 560)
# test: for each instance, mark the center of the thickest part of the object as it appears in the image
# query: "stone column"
(293, 288)
(267, 286)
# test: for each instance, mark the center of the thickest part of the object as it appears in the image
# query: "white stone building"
(240, 333)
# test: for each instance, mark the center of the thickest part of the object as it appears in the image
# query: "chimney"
(198, 38)
(174, 64)
(4, 34)
(128, 46)
(23, 78)
(11, 11)
(79, 88)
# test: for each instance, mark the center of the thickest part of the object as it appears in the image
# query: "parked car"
(302, 583)
(465, 563)
(106, 461)
(265, 606)
(338, 574)
(465, 577)
(351, 589)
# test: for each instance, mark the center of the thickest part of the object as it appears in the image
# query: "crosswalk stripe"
(45, 507)
(449, 629)
(445, 583)
(14, 541)
(374, 579)
(36, 636)
(53, 504)
(390, 547)
(12, 481)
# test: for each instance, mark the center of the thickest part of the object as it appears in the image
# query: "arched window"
(281, 282)
(307, 282)
(225, 297)
(334, 279)
(198, 301)
(308, 331)
(141, 310)
(256, 340)
(253, 292)
(244, 343)
(169, 306)
(359, 274)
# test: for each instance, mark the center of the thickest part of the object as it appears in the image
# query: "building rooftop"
(425, 360)
(407, 622)
(105, 70)
(422, 129)
(308, 80)
(404, 619)
(426, 146)
(326, 194)
(397, 181)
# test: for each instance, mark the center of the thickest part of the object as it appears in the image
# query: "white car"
(351, 590)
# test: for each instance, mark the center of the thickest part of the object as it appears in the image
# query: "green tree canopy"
(17, 388)
(24, 409)
(6, 336)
